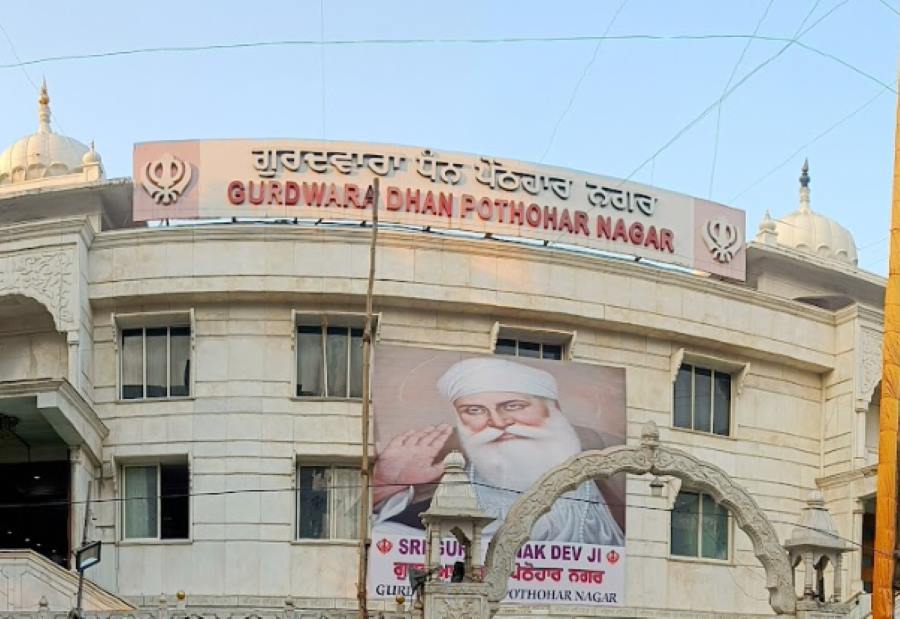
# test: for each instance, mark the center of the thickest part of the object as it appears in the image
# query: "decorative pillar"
(814, 540)
(454, 512)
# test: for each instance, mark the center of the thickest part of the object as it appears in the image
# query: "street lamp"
(85, 557)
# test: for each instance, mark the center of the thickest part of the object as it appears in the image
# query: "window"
(699, 527)
(703, 400)
(329, 361)
(522, 348)
(156, 362)
(156, 501)
(327, 502)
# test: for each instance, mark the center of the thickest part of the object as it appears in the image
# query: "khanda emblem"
(721, 237)
(166, 178)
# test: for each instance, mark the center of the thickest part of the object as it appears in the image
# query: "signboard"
(514, 419)
(420, 187)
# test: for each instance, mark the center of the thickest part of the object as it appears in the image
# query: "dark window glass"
(722, 404)
(356, 359)
(337, 349)
(685, 519)
(714, 527)
(313, 503)
(174, 501)
(157, 365)
(132, 364)
(309, 361)
(552, 351)
(683, 397)
(530, 349)
(505, 347)
(702, 399)
(179, 361)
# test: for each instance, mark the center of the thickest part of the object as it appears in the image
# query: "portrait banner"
(513, 419)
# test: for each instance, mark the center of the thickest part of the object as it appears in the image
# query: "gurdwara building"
(180, 378)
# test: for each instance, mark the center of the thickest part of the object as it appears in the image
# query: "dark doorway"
(34, 508)
(868, 544)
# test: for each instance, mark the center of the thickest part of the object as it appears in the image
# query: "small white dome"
(91, 157)
(43, 154)
(816, 234)
(811, 232)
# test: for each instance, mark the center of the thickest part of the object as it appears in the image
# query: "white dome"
(44, 154)
(816, 234)
(810, 232)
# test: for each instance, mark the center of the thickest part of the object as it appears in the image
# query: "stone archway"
(651, 458)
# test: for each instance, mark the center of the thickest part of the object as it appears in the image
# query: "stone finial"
(650, 434)
(43, 604)
(454, 494)
(768, 231)
(162, 601)
(44, 109)
(804, 187)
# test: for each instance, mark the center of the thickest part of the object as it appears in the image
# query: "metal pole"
(87, 515)
(361, 593)
(886, 497)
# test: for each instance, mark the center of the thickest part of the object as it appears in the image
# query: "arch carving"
(46, 277)
(651, 458)
(869, 365)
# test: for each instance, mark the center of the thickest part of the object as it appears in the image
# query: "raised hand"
(409, 460)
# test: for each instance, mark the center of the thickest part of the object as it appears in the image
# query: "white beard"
(517, 464)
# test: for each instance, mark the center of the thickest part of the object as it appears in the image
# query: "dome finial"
(804, 187)
(44, 109)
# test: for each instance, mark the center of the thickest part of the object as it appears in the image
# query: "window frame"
(157, 463)
(331, 539)
(729, 530)
(152, 320)
(531, 335)
(738, 370)
(712, 401)
(324, 320)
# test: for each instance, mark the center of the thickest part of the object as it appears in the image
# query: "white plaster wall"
(31, 356)
(242, 430)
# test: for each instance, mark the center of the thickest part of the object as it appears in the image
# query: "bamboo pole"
(361, 593)
(886, 497)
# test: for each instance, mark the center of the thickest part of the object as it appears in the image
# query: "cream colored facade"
(74, 270)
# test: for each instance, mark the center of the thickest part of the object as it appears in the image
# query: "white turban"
(485, 374)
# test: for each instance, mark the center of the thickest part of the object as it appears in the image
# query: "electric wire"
(759, 22)
(792, 41)
(892, 9)
(584, 73)
(293, 489)
(806, 145)
(176, 49)
(706, 111)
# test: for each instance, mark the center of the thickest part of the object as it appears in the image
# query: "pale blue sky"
(502, 99)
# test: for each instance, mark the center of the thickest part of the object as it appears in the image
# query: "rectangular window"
(156, 501)
(329, 361)
(327, 502)
(702, 400)
(699, 527)
(534, 350)
(155, 362)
